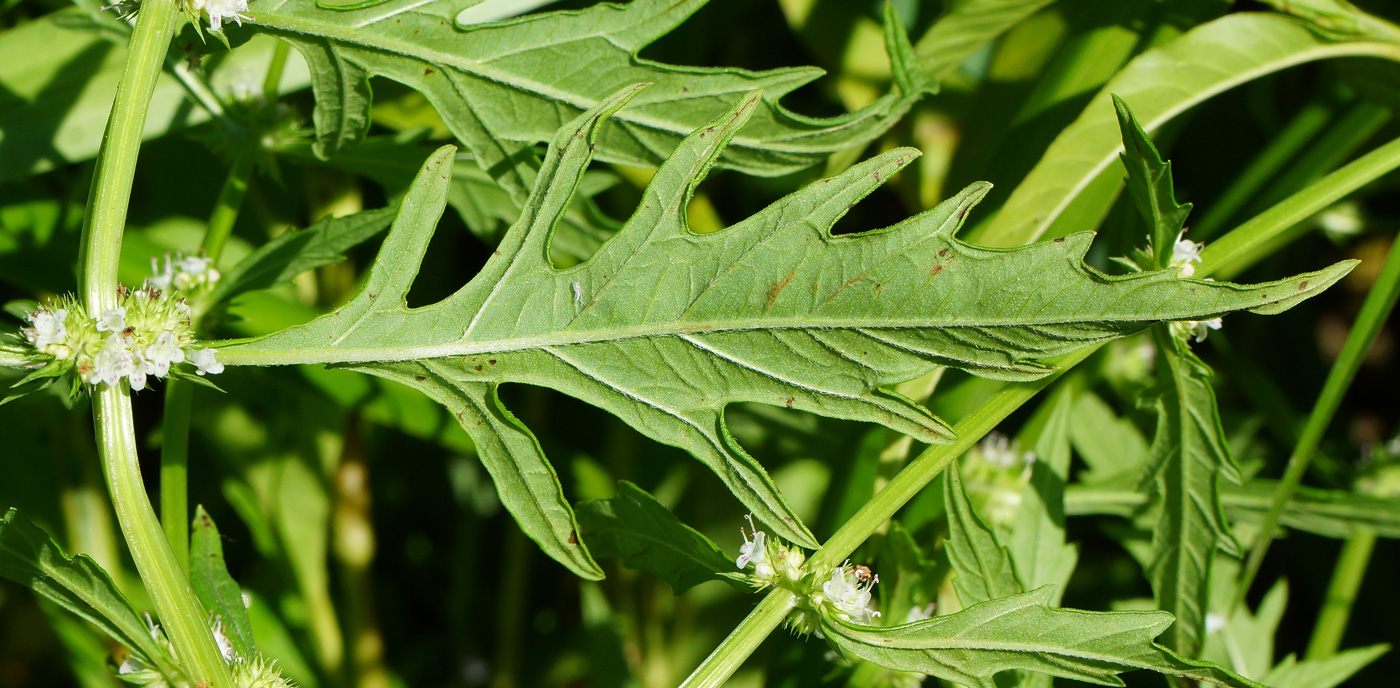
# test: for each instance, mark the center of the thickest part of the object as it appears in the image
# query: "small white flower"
(163, 353)
(1184, 253)
(137, 376)
(1195, 329)
(204, 362)
(161, 278)
(219, 10)
(114, 362)
(849, 594)
(225, 645)
(917, 614)
(1214, 623)
(113, 320)
(48, 327)
(755, 552)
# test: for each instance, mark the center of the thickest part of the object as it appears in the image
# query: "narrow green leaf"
(213, 585)
(292, 253)
(636, 527)
(498, 86)
(983, 566)
(1025, 632)
(1161, 83)
(967, 27)
(1331, 513)
(664, 327)
(1189, 455)
(30, 557)
(1150, 184)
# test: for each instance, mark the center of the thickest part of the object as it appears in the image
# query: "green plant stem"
(229, 202)
(1374, 312)
(1301, 129)
(907, 483)
(1341, 595)
(1239, 249)
(174, 469)
(273, 81)
(180, 613)
(742, 641)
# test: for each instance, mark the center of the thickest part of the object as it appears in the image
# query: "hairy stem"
(170, 592)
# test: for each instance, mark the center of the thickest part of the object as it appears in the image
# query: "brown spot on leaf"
(419, 378)
(1059, 240)
(478, 369)
(428, 71)
(492, 361)
(1302, 285)
(936, 269)
(573, 537)
(788, 402)
(942, 253)
(777, 289)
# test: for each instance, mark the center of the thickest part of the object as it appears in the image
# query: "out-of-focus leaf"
(1160, 83)
(498, 85)
(1189, 456)
(30, 557)
(1322, 673)
(1331, 513)
(1112, 446)
(664, 327)
(1025, 632)
(59, 76)
(634, 526)
(967, 27)
(984, 567)
(213, 585)
(1037, 543)
(295, 252)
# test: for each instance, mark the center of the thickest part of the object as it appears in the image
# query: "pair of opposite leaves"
(663, 327)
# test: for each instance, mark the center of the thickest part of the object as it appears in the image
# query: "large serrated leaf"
(664, 327)
(500, 85)
(636, 527)
(1025, 632)
(1189, 456)
(30, 557)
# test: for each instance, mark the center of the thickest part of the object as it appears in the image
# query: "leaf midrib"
(336, 35)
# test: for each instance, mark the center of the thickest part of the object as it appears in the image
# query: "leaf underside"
(501, 86)
(663, 327)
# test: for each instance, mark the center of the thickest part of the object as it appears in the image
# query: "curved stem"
(742, 641)
(179, 610)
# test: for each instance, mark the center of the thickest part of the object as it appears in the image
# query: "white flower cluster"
(182, 273)
(843, 593)
(255, 672)
(216, 11)
(847, 593)
(143, 336)
(1195, 329)
(772, 561)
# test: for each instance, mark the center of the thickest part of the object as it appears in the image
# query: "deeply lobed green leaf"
(1025, 632)
(664, 327)
(501, 86)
